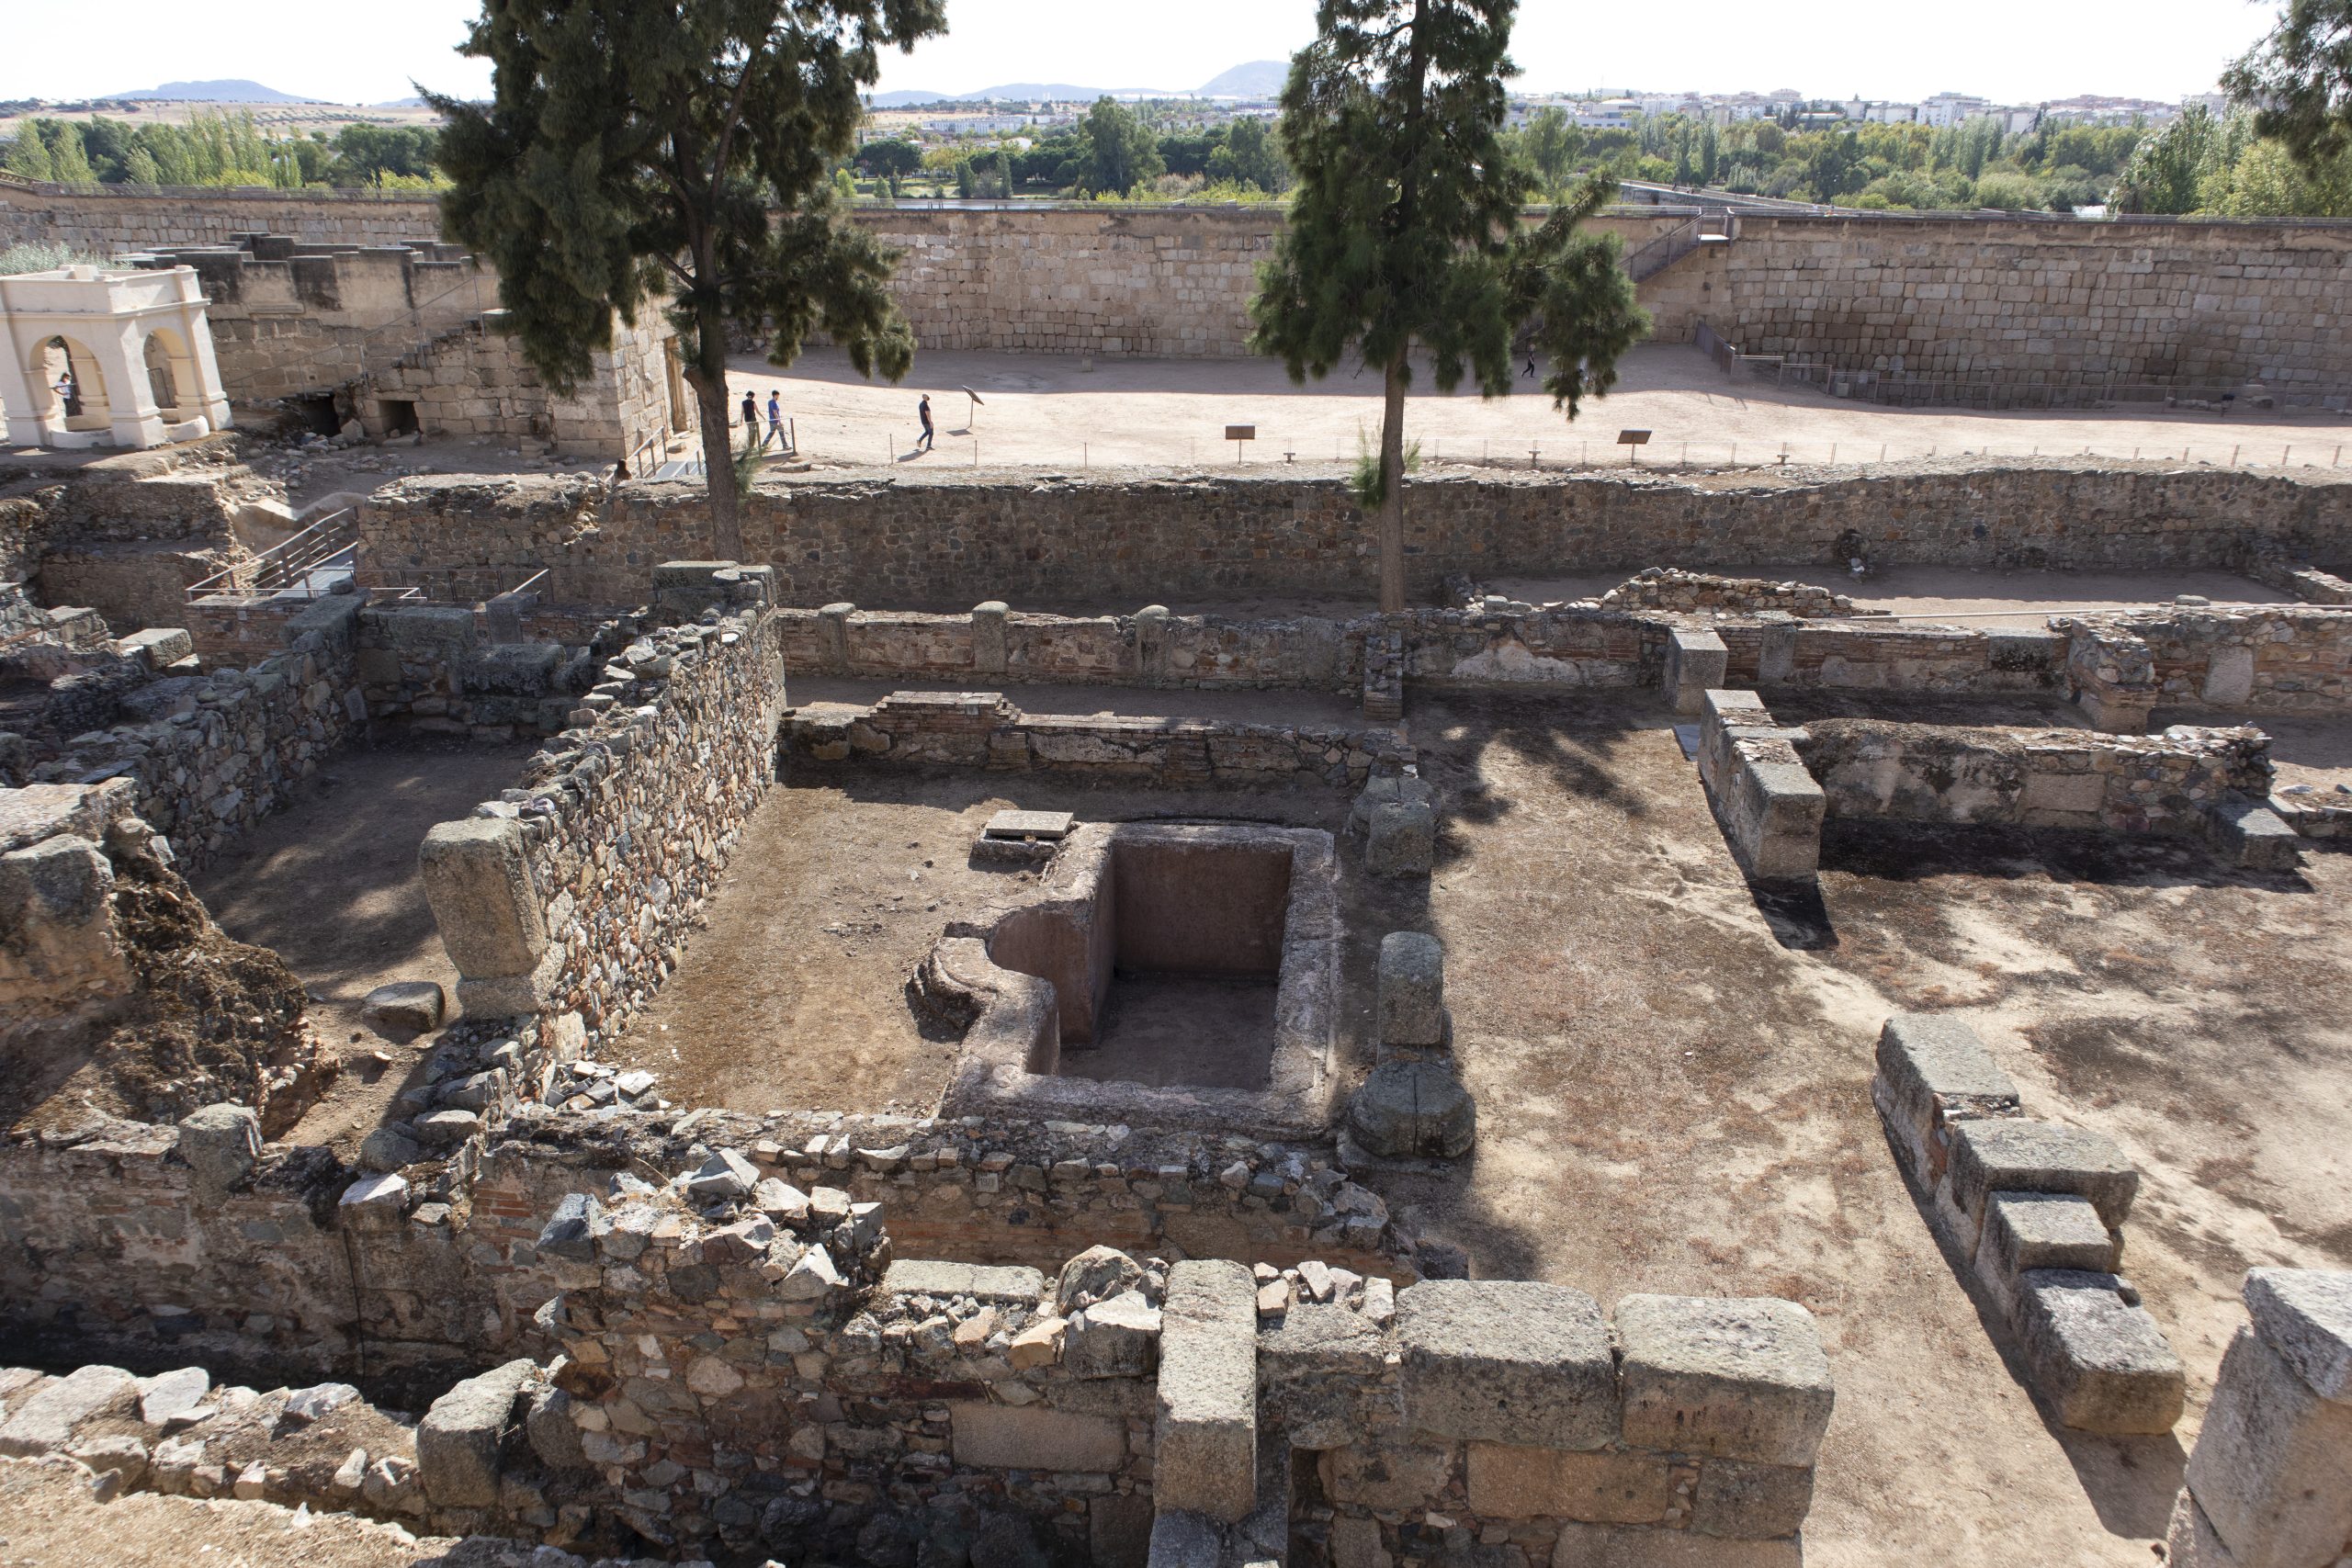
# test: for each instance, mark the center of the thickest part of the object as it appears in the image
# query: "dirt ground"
(331, 883)
(1672, 1097)
(1673, 1079)
(842, 883)
(48, 1521)
(1048, 410)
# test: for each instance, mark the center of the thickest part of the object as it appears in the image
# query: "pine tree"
(677, 151)
(1405, 231)
(2302, 76)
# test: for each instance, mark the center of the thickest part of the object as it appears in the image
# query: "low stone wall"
(2165, 784)
(2303, 581)
(981, 729)
(2036, 1212)
(730, 1361)
(1670, 588)
(1769, 806)
(2260, 660)
(220, 753)
(939, 541)
(1946, 660)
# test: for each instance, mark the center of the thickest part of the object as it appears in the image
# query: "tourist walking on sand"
(776, 420)
(928, 434)
(750, 417)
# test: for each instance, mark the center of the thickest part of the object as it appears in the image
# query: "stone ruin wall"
(941, 543)
(2022, 304)
(286, 322)
(760, 1373)
(476, 383)
(2160, 785)
(2017, 302)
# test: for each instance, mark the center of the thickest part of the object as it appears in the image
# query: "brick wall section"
(941, 543)
(2163, 784)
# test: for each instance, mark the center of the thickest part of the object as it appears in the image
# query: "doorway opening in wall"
(674, 375)
(318, 413)
(399, 415)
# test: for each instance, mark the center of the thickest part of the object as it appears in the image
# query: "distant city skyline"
(2011, 51)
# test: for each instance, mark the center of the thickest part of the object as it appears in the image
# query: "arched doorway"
(172, 375)
(69, 386)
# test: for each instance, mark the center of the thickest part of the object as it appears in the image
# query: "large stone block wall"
(476, 383)
(928, 544)
(2067, 304)
(289, 318)
(2021, 302)
(129, 220)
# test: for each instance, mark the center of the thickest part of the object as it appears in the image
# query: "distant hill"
(1259, 79)
(238, 92)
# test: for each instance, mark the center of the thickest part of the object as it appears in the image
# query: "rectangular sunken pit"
(1163, 973)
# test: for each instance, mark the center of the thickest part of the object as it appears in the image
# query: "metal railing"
(307, 563)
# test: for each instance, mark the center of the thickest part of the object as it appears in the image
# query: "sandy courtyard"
(1673, 1079)
(1047, 411)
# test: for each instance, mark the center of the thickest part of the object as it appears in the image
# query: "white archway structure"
(105, 319)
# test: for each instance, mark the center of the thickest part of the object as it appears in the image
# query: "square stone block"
(2272, 1467)
(1411, 990)
(1004, 1437)
(1933, 1068)
(1598, 1488)
(1510, 1361)
(1738, 1377)
(1206, 1456)
(2015, 1154)
(2305, 1314)
(2102, 1364)
(2025, 1231)
(1751, 1502)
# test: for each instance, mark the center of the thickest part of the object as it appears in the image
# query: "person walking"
(929, 435)
(750, 418)
(776, 420)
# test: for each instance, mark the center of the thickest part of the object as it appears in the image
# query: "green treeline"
(2197, 163)
(221, 150)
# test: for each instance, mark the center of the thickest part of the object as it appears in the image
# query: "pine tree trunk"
(709, 377)
(1392, 489)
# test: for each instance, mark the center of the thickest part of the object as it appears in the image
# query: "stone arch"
(88, 405)
(173, 374)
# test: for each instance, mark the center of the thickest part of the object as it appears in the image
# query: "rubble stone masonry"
(949, 544)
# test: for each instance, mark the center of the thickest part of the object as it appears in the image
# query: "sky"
(2009, 50)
